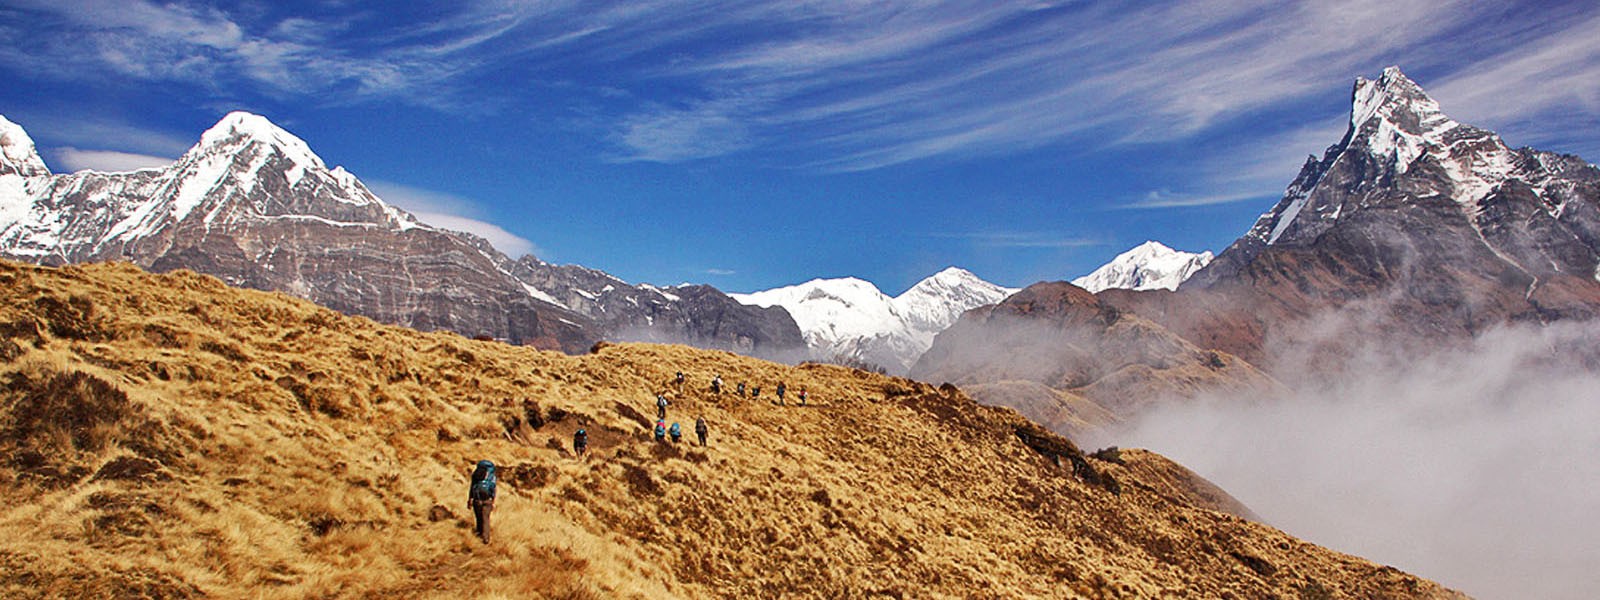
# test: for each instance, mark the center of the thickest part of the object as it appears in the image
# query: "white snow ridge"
(850, 317)
(1148, 266)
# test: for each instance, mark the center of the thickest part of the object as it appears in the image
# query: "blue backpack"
(676, 432)
(483, 481)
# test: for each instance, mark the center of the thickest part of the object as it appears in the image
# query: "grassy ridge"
(167, 436)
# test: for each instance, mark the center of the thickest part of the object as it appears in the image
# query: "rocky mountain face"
(850, 320)
(1148, 266)
(1427, 227)
(254, 206)
(697, 315)
(168, 436)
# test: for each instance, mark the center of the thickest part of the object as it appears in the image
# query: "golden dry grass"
(245, 444)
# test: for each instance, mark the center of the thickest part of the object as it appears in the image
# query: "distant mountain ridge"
(1148, 266)
(253, 205)
(851, 318)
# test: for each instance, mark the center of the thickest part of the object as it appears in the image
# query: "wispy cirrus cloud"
(849, 86)
(447, 211)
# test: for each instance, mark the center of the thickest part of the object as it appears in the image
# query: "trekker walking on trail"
(741, 389)
(480, 497)
(661, 406)
(755, 392)
(676, 432)
(716, 384)
(781, 389)
(802, 396)
(580, 442)
(701, 430)
(680, 381)
(661, 431)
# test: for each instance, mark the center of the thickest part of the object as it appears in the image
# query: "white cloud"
(454, 213)
(74, 159)
(847, 86)
(1472, 465)
(1168, 199)
(677, 136)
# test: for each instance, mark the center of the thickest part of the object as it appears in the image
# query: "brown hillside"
(166, 436)
(1061, 336)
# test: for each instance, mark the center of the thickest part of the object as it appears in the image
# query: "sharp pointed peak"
(1395, 98)
(240, 128)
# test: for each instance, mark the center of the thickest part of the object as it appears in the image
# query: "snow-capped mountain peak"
(240, 129)
(1394, 126)
(18, 156)
(851, 317)
(934, 303)
(1148, 266)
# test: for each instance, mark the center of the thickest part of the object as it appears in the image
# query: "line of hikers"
(717, 385)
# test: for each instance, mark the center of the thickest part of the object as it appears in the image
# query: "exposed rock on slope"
(253, 205)
(164, 435)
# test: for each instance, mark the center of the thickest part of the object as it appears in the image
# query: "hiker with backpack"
(661, 406)
(676, 432)
(580, 442)
(716, 384)
(741, 389)
(700, 429)
(802, 396)
(480, 497)
(661, 431)
(755, 392)
(781, 389)
(680, 380)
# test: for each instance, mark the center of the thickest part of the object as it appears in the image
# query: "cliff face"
(165, 435)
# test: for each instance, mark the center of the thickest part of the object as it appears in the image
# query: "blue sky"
(753, 144)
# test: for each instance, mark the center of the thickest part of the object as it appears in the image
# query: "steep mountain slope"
(252, 204)
(166, 436)
(1148, 266)
(1424, 226)
(1066, 339)
(851, 319)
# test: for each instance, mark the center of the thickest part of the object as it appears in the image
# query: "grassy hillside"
(167, 436)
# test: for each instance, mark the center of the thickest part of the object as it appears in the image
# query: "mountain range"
(1412, 231)
(251, 204)
(850, 320)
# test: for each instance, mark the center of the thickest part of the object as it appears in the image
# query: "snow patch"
(540, 294)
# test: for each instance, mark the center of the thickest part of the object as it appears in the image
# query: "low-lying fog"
(1478, 467)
